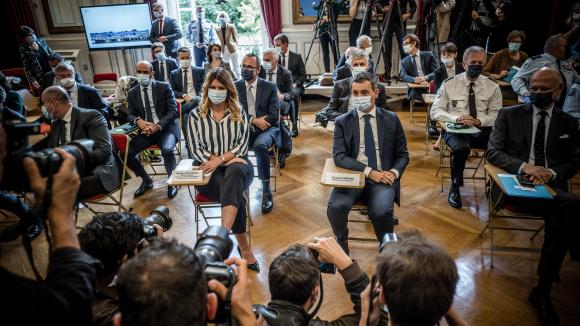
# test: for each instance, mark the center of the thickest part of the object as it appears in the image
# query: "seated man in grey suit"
(340, 101)
(82, 96)
(165, 30)
(162, 65)
(50, 78)
(259, 99)
(368, 139)
(153, 109)
(70, 123)
(282, 77)
(539, 141)
(363, 42)
(186, 83)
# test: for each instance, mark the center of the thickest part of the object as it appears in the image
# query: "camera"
(212, 248)
(388, 238)
(326, 268)
(159, 216)
(320, 117)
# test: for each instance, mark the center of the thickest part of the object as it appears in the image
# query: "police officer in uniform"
(468, 99)
(554, 57)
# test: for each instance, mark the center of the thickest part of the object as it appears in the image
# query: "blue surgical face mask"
(144, 79)
(358, 70)
(217, 96)
(31, 38)
(362, 103)
(514, 47)
(161, 56)
(222, 21)
(67, 83)
(267, 65)
(46, 114)
(247, 74)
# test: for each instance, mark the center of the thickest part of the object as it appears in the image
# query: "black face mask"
(473, 71)
(247, 74)
(541, 100)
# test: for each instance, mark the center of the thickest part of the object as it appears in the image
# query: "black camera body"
(159, 216)
(320, 117)
(212, 248)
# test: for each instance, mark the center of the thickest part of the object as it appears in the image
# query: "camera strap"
(314, 311)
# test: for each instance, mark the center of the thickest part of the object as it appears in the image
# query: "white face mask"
(358, 70)
(158, 14)
(362, 103)
(407, 48)
(216, 55)
(67, 83)
(144, 79)
(267, 65)
(369, 50)
(280, 50)
(185, 63)
(447, 61)
(217, 96)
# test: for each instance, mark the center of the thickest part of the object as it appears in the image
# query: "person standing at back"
(201, 35)
(165, 30)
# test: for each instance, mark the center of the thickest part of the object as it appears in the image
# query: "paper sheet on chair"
(343, 179)
(185, 171)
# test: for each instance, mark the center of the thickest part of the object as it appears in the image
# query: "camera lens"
(159, 216)
(388, 238)
(214, 245)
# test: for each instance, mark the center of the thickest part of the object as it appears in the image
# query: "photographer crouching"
(66, 295)
(295, 284)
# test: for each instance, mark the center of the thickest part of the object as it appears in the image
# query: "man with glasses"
(259, 98)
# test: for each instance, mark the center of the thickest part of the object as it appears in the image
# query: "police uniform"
(572, 103)
(521, 80)
(452, 102)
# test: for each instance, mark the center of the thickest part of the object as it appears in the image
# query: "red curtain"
(19, 13)
(272, 17)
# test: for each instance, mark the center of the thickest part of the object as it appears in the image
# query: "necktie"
(60, 126)
(270, 76)
(283, 60)
(415, 66)
(251, 102)
(200, 33)
(160, 27)
(370, 148)
(472, 108)
(148, 112)
(162, 65)
(185, 86)
(539, 155)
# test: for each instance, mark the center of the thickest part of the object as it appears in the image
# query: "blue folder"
(513, 188)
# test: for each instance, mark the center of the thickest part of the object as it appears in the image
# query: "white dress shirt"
(190, 86)
(450, 70)
(417, 58)
(536, 118)
(285, 65)
(74, 95)
(361, 147)
(452, 100)
(151, 102)
(252, 110)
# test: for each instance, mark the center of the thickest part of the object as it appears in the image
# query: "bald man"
(152, 107)
(539, 140)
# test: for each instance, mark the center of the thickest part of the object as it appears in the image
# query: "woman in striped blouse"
(218, 137)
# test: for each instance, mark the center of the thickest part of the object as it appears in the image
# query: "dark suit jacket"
(296, 66)
(176, 79)
(90, 124)
(392, 143)
(89, 98)
(341, 92)
(165, 106)
(266, 101)
(170, 65)
(171, 30)
(342, 63)
(408, 72)
(284, 85)
(440, 74)
(48, 79)
(511, 138)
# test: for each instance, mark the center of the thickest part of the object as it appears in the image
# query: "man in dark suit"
(418, 67)
(293, 62)
(259, 99)
(369, 139)
(70, 123)
(363, 42)
(162, 65)
(165, 30)
(186, 83)
(282, 77)
(153, 109)
(402, 11)
(340, 100)
(538, 140)
(50, 78)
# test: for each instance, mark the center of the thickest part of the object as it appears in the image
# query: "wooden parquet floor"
(485, 296)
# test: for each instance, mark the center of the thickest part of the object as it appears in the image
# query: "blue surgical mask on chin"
(362, 103)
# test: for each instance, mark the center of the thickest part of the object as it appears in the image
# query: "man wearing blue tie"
(368, 139)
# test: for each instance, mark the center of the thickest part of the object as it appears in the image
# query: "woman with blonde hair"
(219, 132)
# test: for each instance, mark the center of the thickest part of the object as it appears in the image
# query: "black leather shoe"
(254, 266)
(171, 192)
(282, 160)
(454, 198)
(433, 132)
(267, 203)
(544, 308)
(295, 133)
(143, 188)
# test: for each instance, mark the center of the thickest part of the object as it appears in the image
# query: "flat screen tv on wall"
(114, 27)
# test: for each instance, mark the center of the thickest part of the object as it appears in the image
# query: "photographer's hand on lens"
(241, 296)
(329, 251)
(370, 315)
(65, 185)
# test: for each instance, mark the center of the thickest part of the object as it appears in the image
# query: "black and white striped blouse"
(210, 137)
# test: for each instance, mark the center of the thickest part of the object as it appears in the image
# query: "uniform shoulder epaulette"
(536, 57)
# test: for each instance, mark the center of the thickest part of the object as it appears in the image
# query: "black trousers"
(378, 197)
(460, 145)
(166, 142)
(325, 43)
(397, 28)
(354, 30)
(227, 185)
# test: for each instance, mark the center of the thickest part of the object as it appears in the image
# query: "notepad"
(468, 130)
(186, 171)
(513, 188)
